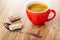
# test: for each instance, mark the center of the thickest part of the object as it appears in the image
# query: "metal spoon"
(19, 30)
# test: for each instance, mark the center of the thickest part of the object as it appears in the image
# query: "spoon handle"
(35, 35)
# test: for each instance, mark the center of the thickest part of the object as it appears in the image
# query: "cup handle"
(53, 11)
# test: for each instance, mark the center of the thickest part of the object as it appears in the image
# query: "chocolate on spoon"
(13, 27)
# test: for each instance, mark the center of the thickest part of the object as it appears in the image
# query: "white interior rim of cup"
(34, 3)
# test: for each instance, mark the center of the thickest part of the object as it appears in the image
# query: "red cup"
(39, 18)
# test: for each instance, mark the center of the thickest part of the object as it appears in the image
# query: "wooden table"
(49, 31)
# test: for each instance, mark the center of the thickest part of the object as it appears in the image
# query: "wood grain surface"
(49, 31)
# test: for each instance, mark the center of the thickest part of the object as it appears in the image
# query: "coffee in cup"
(37, 7)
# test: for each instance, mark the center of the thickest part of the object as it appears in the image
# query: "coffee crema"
(38, 7)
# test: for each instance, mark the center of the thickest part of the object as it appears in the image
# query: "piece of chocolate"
(16, 26)
(14, 17)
